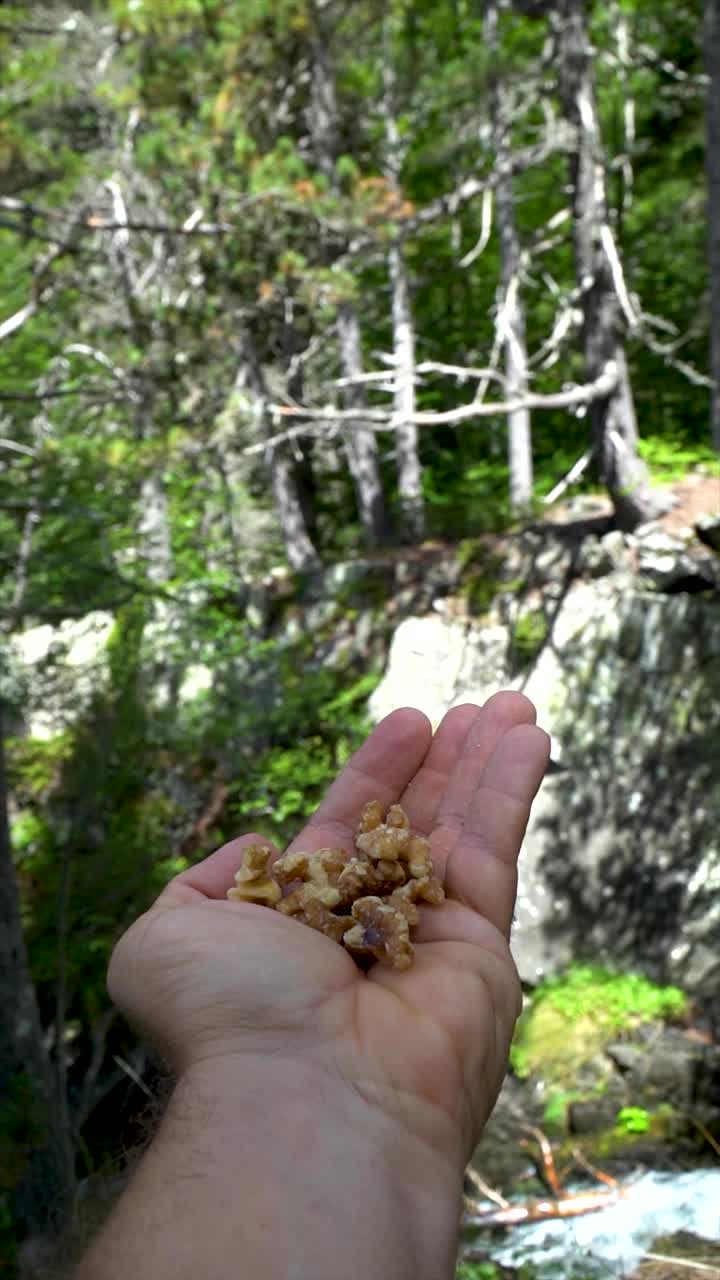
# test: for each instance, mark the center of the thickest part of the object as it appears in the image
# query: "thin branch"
(618, 277)
(382, 420)
(463, 373)
(573, 474)
(485, 229)
(671, 1261)
(18, 319)
(87, 1099)
(16, 448)
(132, 1073)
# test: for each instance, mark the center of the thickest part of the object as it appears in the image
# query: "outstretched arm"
(322, 1116)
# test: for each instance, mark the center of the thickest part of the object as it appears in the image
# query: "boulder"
(621, 862)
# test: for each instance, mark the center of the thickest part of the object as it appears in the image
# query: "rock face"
(621, 861)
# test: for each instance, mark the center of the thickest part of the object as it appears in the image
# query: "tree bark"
(36, 1157)
(511, 315)
(360, 442)
(409, 471)
(251, 396)
(612, 417)
(154, 527)
(712, 164)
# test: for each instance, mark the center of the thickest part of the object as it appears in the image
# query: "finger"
(481, 869)
(212, 877)
(379, 770)
(421, 798)
(500, 713)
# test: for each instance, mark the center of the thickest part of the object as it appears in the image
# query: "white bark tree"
(612, 417)
(510, 315)
(409, 471)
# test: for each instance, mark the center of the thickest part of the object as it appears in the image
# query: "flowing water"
(612, 1242)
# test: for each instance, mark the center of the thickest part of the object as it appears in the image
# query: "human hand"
(219, 985)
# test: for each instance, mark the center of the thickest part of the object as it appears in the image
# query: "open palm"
(207, 979)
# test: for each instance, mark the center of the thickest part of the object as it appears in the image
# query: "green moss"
(633, 1120)
(556, 1109)
(661, 1123)
(528, 637)
(571, 1016)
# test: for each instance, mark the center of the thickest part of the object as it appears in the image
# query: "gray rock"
(606, 555)
(621, 861)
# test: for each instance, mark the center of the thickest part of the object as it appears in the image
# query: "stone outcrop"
(621, 861)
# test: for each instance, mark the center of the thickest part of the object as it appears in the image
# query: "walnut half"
(253, 882)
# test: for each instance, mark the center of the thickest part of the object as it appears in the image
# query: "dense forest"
(284, 283)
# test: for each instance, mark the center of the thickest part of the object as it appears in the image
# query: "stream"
(613, 1241)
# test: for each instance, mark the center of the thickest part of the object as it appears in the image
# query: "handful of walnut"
(366, 902)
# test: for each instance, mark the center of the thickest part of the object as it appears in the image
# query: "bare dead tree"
(510, 318)
(612, 418)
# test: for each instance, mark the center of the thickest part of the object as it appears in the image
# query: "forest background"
(285, 282)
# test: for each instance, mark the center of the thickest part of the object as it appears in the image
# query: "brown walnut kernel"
(381, 931)
(253, 882)
(380, 886)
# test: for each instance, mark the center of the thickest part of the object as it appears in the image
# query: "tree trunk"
(251, 395)
(511, 315)
(409, 472)
(154, 527)
(712, 161)
(612, 417)
(37, 1179)
(360, 442)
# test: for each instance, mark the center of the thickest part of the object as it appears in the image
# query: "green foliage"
(615, 998)
(556, 1108)
(633, 1120)
(571, 1015)
(281, 788)
(670, 458)
(478, 1271)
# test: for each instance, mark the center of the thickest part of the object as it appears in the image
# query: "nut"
(253, 882)
(381, 885)
(380, 931)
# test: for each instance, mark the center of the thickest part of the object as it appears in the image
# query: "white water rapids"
(611, 1243)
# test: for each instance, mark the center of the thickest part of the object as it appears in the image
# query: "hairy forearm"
(248, 1177)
